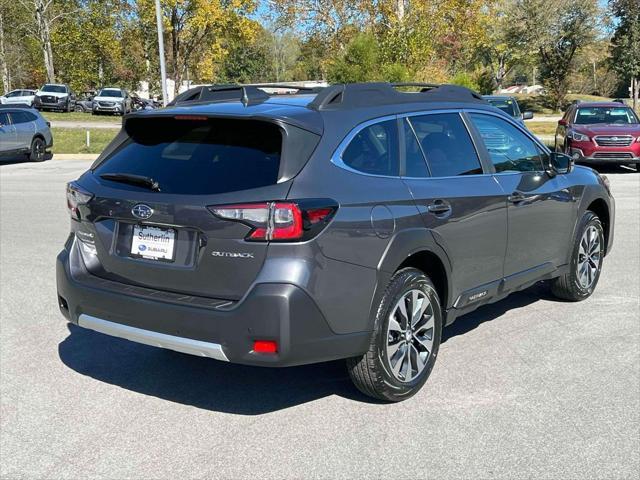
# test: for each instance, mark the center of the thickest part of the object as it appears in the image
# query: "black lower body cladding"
(277, 312)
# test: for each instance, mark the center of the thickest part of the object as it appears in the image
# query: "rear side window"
(415, 164)
(4, 118)
(374, 150)
(22, 117)
(198, 157)
(446, 144)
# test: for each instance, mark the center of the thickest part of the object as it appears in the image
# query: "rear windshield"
(198, 157)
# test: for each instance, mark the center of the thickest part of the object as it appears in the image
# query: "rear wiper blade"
(132, 179)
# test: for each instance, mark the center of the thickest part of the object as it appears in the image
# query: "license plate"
(153, 243)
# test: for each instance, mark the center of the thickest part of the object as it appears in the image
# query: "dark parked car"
(23, 131)
(352, 223)
(139, 103)
(509, 105)
(84, 102)
(600, 132)
(55, 97)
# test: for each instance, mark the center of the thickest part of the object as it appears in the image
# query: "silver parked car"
(24, 131)
(112, 100)
(18, 96)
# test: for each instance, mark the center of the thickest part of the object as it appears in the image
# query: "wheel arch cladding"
(601, 209)
(432, 266)
(416, 248)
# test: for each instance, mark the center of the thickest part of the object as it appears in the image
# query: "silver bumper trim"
(155, 339)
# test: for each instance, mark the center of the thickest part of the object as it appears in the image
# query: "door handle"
(439, 207)
(516, 197)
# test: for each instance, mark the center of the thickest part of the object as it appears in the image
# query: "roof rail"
(382, 93)
(248, 94)
(7, 106)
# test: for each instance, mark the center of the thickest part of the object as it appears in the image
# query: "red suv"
(603, 132)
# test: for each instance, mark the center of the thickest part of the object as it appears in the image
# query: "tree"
(4, 69)
(199, 32)
(498, 51)
(45, 14)
(555, 30)
(626, 44)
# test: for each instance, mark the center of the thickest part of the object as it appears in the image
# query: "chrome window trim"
(336, 158)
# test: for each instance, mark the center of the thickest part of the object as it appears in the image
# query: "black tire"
(38, 150)
(569, 286)
(79, 108)
(371, 373)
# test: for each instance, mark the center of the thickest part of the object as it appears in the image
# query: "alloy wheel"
(410, 335)
(589, 256)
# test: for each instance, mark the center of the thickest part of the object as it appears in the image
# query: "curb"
(75, 156)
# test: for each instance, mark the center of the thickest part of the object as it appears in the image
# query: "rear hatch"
(153, 190)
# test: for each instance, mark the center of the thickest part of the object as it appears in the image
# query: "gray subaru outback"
(352, 222)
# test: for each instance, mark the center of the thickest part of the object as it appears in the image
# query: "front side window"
(510, 149)
(447, 145)
(374, 150)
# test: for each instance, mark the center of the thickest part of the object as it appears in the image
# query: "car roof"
(498, 97)
(18, 106)
(349, 104)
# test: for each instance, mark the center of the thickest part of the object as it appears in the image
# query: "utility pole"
(163, 68)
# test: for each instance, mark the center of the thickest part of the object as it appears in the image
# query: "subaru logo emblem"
(142, 211)
(614, 138)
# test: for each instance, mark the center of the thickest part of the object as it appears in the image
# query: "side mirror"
(562, 122)
(527, 115)
(560, 163)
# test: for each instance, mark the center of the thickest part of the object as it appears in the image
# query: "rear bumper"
(226, 331)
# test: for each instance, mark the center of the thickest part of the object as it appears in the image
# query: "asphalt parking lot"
(527, 388)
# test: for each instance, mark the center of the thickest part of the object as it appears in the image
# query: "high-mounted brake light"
(76, 196)
(277, 221)
(195, 118)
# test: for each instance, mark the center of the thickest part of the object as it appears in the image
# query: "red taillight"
(76, 196)
(265, 346)
(280, 221)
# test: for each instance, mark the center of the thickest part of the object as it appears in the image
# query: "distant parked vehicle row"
(23, 131)
(60, 97)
